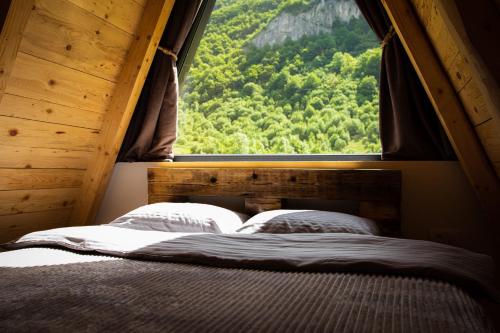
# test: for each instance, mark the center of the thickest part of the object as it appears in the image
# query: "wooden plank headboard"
(378, 192)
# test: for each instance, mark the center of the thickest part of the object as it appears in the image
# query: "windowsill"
(276, 158)
(279, 161)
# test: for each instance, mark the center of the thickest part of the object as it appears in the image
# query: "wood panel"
(358, 185)
(30, 133)
(483, 26)
(473, 101)
(454, 60)
(10, 38)
(59, 61)
(40, 158)
(124, 14)
(43, 80)
(437, 30)
(22, 179)
(26, 201)
(121, 108)
(14, 226)
(459, 72)
(28, 108)
(259, 205)
(470, 76)
(68, 35)
(448, 107)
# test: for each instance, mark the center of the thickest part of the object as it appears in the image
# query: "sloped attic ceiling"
(447, 63)
(72, 70)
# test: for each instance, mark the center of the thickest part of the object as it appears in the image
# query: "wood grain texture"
(449, 109)
(63, 33)
(379, 191)
(474, 103)
(27, 201)
(22, 179)
(14, 226)
(141, 2)
(478, 90)
(459, 72)
(43, 158)
(359, 185)
(259, 205)
(17, 132)
(124, 14)
(28, 108)
(10, 38)
(121, 108)
(453, 59)
(43, 80)
(490, 24)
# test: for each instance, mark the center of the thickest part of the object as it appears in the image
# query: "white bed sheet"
(40, 256)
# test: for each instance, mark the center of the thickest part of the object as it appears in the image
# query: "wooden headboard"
(377, 192)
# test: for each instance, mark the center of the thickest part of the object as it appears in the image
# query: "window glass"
(282, 77)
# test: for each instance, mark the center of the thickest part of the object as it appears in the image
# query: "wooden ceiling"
(461, 88)
(71, 72)
(68, 70)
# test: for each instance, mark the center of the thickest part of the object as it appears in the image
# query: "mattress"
(271, 283)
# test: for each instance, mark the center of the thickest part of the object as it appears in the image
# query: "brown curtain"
(153, 128)
(409, 127)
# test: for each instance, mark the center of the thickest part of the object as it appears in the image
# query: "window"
(282, 77)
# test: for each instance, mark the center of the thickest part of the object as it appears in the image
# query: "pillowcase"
(181, 217)
(284, 221)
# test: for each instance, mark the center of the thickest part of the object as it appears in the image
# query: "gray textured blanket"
(316, 252)
(327, 282)
(140, 296)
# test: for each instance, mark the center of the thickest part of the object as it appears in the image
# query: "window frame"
(186, 58)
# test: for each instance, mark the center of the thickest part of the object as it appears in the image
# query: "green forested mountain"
(315, 94)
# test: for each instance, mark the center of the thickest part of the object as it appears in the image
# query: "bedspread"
(262, 282)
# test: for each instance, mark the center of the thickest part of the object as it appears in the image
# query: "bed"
(120, 277)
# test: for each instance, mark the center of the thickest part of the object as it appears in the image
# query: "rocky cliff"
(317, 19)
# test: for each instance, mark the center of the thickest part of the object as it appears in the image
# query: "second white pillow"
(283, 221)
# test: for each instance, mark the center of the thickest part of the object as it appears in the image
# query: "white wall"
(437, 200)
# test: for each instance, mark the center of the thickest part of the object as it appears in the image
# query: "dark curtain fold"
(409, 126)
(153, 128)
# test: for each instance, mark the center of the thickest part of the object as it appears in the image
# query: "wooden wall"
(465, 64)
(59, 67)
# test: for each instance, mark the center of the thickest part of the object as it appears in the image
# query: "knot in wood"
(213, 180)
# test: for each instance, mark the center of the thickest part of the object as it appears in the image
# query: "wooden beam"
(11, 36)
(448, 107)
(121, 108)
(480, 73)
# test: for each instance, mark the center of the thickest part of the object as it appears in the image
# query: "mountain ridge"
(318, 19)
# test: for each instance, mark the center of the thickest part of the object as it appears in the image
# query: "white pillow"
(181, 217)
(284, 221)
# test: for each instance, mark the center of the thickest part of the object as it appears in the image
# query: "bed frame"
(377, 193)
